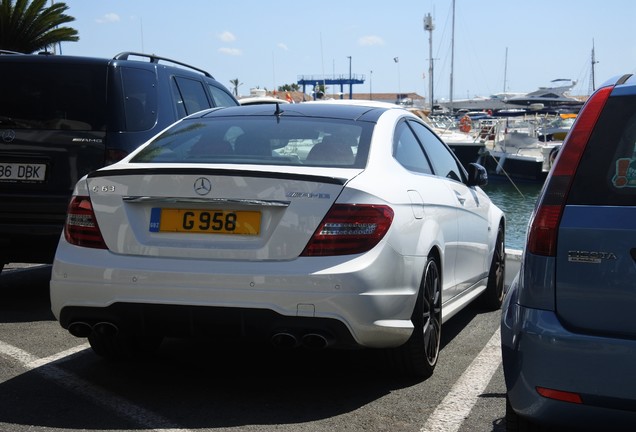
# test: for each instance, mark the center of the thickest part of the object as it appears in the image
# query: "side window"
(220, 97)
(192, 94)
(444, 163)
(408, 152)
(140, 98)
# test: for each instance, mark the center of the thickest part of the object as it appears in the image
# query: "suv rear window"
(57, 97)
(607, 170)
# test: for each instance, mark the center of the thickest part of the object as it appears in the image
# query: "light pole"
(350, 84)
(370, 85)
(399, 97)
(429, 27)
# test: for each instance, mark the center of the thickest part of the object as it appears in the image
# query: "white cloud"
(231, 51)
(283, 46)
(227, 36)
(108, 18)
(370, 40)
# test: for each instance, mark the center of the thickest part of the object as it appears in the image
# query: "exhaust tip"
(284, 340)
(106, 329)
(316, 341)
(80, 329)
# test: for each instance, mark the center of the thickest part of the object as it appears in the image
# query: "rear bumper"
(353, 296)
(538, 351)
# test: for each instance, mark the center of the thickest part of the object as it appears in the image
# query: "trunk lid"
(204, 213)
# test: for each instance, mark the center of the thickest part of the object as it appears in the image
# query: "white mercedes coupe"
(343, 225)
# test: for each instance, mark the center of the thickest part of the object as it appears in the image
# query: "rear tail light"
(544, 224)
(350, 229)
(81, 227)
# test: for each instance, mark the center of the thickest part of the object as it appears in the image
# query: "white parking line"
(451, 413)
(47, 368)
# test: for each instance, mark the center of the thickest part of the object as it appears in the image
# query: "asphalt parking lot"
(51, 381)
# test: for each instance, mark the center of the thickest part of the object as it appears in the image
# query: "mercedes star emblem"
(8, 135)
(202, 186)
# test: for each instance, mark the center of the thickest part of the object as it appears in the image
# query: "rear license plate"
(205, 221)
(22, 172)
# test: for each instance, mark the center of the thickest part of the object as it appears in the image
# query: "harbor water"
(517, 201)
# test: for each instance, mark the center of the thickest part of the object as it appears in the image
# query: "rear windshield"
(53, 96)
(607, 171)
(263, 141)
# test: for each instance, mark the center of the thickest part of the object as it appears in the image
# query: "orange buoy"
(465, 124)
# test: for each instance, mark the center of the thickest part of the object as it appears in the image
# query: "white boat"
(557, 129)
(551, 97)
(517, 153)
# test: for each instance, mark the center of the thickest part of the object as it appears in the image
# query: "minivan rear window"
(55, 97)
(607, 170)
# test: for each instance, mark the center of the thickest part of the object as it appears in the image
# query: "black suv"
(62, 117)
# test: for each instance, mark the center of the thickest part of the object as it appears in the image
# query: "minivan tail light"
(81, 227)
(350, 229)
(544, 223)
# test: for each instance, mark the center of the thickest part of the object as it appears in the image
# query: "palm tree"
(32, 27)
(235, 84)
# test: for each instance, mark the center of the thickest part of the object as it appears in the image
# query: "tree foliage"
(235, 85)
(28, 27)
(289, 87)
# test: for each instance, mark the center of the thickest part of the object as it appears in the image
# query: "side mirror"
(477, 175)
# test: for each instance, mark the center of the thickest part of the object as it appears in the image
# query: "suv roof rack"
(155, 59)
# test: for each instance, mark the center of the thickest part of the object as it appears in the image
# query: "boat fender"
(553, 155)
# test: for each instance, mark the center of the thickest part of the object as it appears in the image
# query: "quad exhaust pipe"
(83, 329)
(285, 340)
(289, 340)
(316, 341)
(80, 329)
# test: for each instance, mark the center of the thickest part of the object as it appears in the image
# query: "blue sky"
(269, 43)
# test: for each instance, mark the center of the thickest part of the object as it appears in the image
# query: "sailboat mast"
(592, 79)
(452, 57)
(505, 74)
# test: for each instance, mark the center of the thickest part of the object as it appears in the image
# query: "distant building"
(409, 99)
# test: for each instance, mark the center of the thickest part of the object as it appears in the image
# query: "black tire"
(493, 296)
(418, 356)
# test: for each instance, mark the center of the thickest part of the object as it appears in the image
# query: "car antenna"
(278, 111)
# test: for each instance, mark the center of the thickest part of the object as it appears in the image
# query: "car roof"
(340, 110)
(138, 59)
(52, 58)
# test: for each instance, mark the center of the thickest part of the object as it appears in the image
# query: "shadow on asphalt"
(24, 294)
